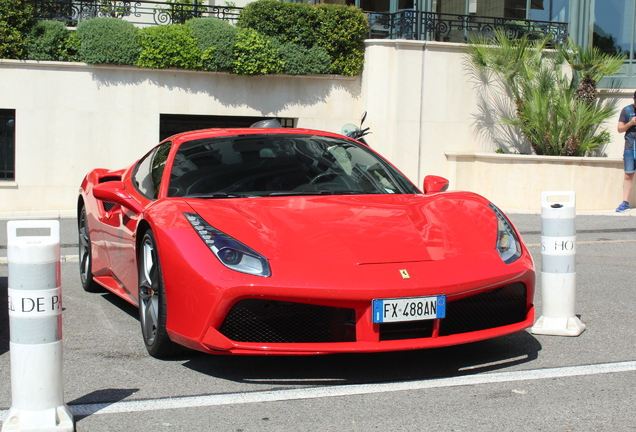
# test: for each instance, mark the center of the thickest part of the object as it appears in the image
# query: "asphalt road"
(522, 382)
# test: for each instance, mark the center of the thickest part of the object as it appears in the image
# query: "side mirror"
(434, 184)
(114, 191)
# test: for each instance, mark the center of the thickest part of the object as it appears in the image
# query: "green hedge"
(300, 60)
(288, 22)
(49, 40)
(16, 20)
(341, 32)
(255, 54)
(108, 40)
(216, 38)
(271, 37)
(169, 46)
(337, 28)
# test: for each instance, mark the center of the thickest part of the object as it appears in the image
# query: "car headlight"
(232, 253)
(508, 244)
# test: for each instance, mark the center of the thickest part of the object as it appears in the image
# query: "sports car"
(295, 241)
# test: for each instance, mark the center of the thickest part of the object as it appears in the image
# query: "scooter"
(355, 132)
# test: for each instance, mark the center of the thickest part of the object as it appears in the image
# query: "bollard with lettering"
(35, 328)
(558, 266)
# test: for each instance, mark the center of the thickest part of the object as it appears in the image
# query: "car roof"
(218, 132)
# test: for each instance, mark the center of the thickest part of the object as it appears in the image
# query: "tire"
(85, 257)
(152, 302)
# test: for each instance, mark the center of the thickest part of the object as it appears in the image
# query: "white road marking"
(345, 390)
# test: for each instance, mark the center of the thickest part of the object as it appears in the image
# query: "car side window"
(150, 169)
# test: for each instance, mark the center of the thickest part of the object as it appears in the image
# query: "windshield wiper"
(320, 192)
(216, 195)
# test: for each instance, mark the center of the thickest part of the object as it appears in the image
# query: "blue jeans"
(628, 161)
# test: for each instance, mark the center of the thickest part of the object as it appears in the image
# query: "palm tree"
(588, 66)
(558, 113)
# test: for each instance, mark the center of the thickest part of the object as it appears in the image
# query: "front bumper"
(259, 326)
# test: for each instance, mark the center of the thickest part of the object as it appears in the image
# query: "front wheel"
(85, 257)
(152, 302)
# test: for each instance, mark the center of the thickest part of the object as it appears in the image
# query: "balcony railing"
(407, 24)
(141, 13)
(431, 26)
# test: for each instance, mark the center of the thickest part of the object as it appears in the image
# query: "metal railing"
(432, 26)
(406, 24)
(141, 13)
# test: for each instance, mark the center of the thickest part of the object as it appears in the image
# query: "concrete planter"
(515, 182)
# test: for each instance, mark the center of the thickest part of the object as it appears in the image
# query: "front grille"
(496, 308)
(406, 330)
(108, 205)
(255, 320)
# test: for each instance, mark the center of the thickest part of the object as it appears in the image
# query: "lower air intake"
(496, 308)
(256, 320)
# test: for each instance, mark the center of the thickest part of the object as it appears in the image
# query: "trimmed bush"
(169, 46)
(288, 22)
(337, 28)
(48, 40)
(255, 54)
(302, 61)
(108, 40)
(342, 31)
(216, 39)
(16, 20)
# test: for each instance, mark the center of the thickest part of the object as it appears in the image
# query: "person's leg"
(628, 180)
(628, 183)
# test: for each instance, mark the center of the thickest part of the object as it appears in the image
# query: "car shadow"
(4, 315)
(121, 304)
(335, 369)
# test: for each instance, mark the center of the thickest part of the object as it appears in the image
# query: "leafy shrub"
(219, 35)
(169, 46)
(255, 54)
(337, 28)
(342, 31)
(108, 40)
(288, 22)
(16, 20)
(73, 45)
(48, 40)
(302, 61)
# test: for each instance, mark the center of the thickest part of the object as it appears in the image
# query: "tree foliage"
(16, 20)
(553, 108)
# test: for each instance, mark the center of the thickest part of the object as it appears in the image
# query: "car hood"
(360, 229)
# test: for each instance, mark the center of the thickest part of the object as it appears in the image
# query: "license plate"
(409, 309)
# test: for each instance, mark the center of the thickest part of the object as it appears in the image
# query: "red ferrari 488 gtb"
(293, 241)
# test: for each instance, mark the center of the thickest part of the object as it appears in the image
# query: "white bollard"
(35, 326)
(558, 266)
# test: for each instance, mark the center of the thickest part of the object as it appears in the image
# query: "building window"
(7, 144)
(171, 124)
(614, 33)
(538, 10)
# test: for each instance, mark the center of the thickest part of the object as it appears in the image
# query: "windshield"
(280, 164)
